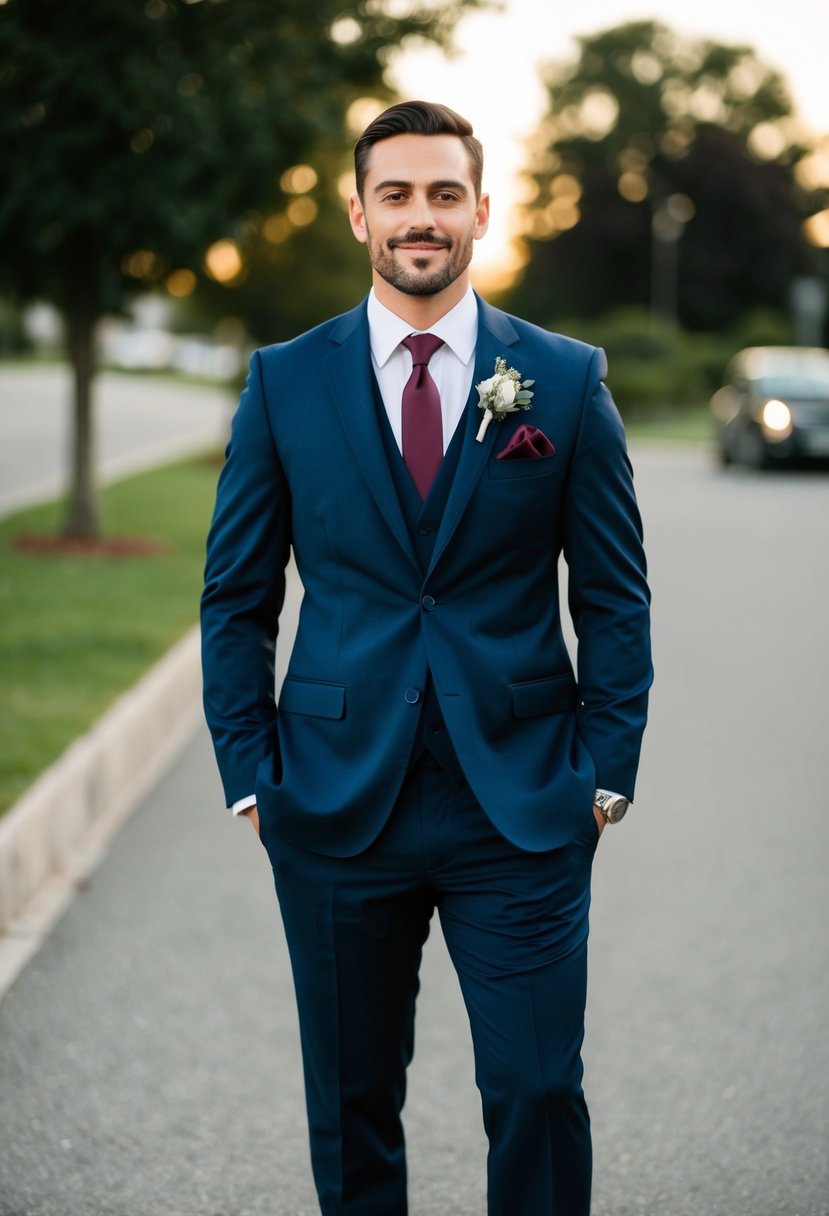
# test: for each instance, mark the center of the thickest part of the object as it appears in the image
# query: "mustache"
(415, 238)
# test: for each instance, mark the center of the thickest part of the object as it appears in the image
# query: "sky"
(494, 79)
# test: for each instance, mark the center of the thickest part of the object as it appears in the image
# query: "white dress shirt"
(451, 367)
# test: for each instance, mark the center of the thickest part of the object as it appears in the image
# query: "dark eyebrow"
(458, 187)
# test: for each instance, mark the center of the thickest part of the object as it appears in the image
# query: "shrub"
(656, 368)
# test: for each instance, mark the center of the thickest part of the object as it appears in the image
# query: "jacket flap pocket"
(551, 695)
(312, 697)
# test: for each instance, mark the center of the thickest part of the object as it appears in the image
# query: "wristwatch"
(612, 806)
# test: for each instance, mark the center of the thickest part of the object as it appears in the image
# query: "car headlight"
(777, 419)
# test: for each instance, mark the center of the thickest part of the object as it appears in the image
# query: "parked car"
(774, 406)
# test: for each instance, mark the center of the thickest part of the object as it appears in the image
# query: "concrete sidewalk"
(61, 826)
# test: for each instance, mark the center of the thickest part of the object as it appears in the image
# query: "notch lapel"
(349, 376)
(495, 333)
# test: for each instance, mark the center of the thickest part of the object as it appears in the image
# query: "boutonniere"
(502, 394)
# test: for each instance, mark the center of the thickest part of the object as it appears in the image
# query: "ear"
(357, 216)
(481, 217)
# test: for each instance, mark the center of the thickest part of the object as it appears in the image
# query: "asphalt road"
(149, 1055)
(140, 422)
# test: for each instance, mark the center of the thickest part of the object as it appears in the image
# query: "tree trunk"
(82, 516)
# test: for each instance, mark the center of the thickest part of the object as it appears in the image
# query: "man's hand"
(252, 814)
(600, 819)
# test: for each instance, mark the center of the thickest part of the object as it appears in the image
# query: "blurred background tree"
(146, 144)
(299, 265)
(665, 177)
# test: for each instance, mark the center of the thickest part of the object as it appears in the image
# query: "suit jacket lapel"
(349, 376)
(495, 332)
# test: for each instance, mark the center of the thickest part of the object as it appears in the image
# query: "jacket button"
(412, 696)
(424, 529)
(428, 603)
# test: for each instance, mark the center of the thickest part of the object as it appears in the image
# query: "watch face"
(612, 806)
(616, 810)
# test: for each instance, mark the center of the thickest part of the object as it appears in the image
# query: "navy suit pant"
(515, 924)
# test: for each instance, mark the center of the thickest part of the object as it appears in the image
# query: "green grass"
(75, 631)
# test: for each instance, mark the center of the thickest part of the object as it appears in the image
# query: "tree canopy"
(651, 138)
(158, 128)
(137, 135)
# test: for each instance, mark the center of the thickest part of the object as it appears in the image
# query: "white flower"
(502, 394)
(506, 394)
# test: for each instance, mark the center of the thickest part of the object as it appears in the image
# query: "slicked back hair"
(418, 118)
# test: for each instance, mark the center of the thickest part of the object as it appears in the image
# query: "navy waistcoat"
(423, 520)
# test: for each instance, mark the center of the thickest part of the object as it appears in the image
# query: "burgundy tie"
(422, 424)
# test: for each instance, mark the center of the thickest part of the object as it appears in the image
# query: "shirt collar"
(458, 328)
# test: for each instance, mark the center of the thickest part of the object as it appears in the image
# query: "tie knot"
(422, 347)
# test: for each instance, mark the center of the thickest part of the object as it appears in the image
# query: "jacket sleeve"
(608, 592)
(247, 551)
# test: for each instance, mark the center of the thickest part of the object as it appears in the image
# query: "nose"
(421, 217)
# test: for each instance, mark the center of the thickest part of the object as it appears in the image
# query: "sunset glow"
(495, 80)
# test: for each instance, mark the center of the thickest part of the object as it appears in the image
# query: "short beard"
(423, 284)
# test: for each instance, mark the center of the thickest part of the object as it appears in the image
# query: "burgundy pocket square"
(527, 441)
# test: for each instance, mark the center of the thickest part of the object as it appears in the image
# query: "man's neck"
(420, 311)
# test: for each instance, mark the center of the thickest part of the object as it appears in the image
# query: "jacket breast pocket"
(529, 467)
(549, 695)
(312, 697)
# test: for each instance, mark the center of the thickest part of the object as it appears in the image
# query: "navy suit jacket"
(306, 469)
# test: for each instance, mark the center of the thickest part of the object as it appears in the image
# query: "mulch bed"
(54, 545)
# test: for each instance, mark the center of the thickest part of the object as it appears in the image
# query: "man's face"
(419, 214)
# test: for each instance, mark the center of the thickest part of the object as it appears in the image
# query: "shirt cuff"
(243, 804)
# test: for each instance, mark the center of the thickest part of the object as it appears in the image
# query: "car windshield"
(794, 376)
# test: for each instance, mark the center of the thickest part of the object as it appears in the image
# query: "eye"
(394, 196)
(446, 196)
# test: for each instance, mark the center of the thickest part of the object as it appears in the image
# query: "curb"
(53, 836)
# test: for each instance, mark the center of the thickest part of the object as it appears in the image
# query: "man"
(431, 747)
